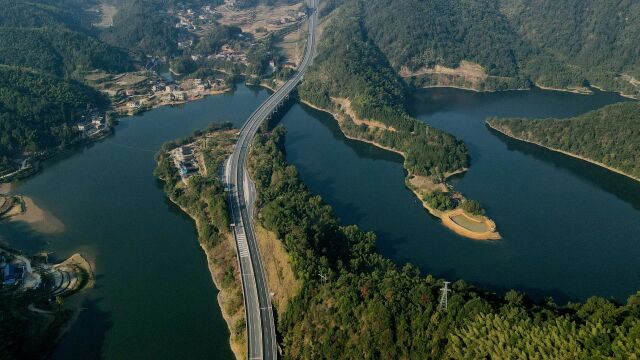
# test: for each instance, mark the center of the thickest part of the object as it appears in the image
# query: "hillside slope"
(609, 136)
(45, 48)
(565, 44)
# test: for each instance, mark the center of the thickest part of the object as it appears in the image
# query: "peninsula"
(607, 137)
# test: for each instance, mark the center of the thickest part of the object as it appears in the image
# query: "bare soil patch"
(426, 184)
(107, 12)
(467, 225)
(40, 220)
(345, 105)
(259, 17)
(280, 277)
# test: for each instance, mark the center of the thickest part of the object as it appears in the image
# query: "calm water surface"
(154, 297)
(571, 229)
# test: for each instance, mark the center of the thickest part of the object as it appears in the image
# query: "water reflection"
(570, 228)
(621, 186)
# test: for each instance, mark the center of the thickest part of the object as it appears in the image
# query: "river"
(154, 297)
(571, 229)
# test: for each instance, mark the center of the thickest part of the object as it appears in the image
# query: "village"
(134, 92)
(146, 88)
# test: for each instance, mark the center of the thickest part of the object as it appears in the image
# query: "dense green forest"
(355, 304)
(44, 13)
(591, 40)
(349, 65)
(565, 44)
(462, 30)
(59, 51)
(610, 135)
(143, 26)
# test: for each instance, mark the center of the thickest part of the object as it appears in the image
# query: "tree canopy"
(610, 135)
(356, 304)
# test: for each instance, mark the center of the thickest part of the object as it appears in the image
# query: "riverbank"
(219, 259)
(205, 203)
(575, 90)
(511, 135)
(478, 84)
(39, 219)
(489, 231)
(143, 99)
(421, 188)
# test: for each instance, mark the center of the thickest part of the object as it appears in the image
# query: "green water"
(154, 297)
(571, 229)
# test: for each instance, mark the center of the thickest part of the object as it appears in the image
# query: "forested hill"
(595, 40)
(355, 304)
(417, 33)
(610, 135)
(563, 44)
(55, 37)
(46, 47)
(59, 51)
(42, 13)
(37, 111)
(350, 66)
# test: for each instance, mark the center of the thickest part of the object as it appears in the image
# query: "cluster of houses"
(171, 92)
(227, 53)
(290, 18)
(185, 161)
(161, 90)
(190, 19)
(10, 273)
(174, 92)
(92, 125)
(234, 3)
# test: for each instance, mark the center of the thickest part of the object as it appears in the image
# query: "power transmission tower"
(323, 277)
(444, 298)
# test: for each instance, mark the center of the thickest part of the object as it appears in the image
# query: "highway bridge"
(261, 331)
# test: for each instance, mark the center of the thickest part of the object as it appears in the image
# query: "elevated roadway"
(261, 331)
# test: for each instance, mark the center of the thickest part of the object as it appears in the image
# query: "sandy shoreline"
(40, 220)
(505, 133)
(581, 91)
(445, 218)
(5, 188)
(470, 88)
(335, 116)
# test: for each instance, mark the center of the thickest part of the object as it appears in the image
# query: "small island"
(463, 216)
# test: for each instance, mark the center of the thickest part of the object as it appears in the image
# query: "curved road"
(261, 333)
